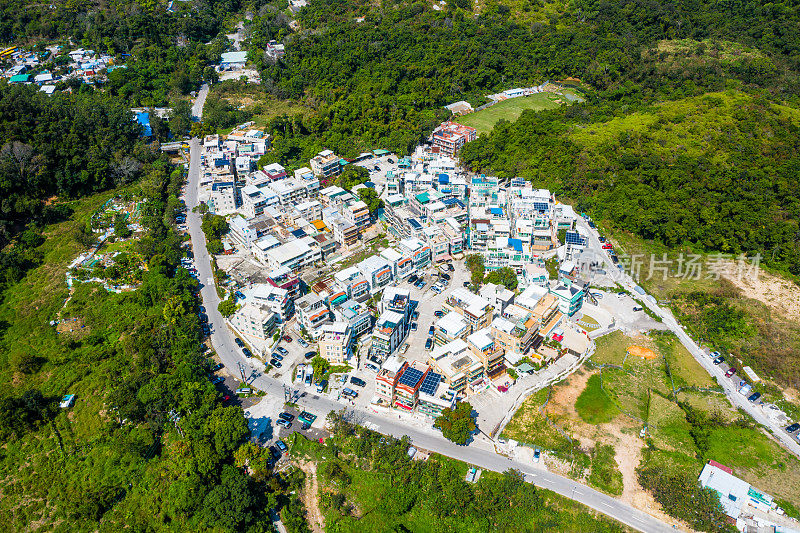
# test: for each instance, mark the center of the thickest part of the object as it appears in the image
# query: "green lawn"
(593, 406)
(509, 110)
(611, 348)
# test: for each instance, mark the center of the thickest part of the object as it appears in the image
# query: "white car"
(371, 367)
(301, 373)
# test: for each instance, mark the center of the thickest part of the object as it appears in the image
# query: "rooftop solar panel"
(431, 383)
(541, 206)
(573, 237)
(411, 377)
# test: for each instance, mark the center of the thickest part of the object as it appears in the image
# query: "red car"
(730, 372)
(287, 338)
(606, 245)
(226, 397)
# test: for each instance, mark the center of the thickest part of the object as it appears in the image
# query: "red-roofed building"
(449, 137)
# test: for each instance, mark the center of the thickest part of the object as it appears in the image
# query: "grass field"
(593, 406)
(509, 110)
(685, 369)
(611, 348)
(529, 426)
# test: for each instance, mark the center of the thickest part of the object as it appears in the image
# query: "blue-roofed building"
(143, 118)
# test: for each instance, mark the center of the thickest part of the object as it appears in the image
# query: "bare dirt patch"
(779, 295)
(316, 520)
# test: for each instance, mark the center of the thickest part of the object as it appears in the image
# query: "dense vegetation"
(148, 445)
(69, 145)
(369, 483)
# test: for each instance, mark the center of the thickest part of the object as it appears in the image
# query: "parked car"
(413, 279)
(302, 342)
(282, 446)
(217, 379)
(287, 338)
(239, 342)
(714, 354)
(281, 350)
(413, 326)
(310, 355)
(305, 426)
(275, 363)
(244, 390)
(754, 397)
(637, 308)
(415, 315)
(372, 367)
(309, 379)
(429, 344)
(438, 314)
(286, 416)
(731, 371)
(217, 367)
(431, 330)
(321, 386)
(247, 352)
(466, 284)
(607, 246)
(536, 454)
(601, 238)
(284, 423)
(301, 373)
(792, 428)
(450, 267)
(358, 382)
(446, 276)
(718, 360)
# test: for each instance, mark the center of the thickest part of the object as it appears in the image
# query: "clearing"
(510, 110)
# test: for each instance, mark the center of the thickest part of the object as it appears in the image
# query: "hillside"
(709, 170)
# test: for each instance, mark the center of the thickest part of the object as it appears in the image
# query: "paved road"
(728, 384)
(231, 357)
(197, 107)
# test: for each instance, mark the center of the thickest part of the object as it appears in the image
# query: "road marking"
(209, 281)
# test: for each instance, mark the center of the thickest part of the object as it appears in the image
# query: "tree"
(180, 120)
(457, 424)
(506, 276)
(475, 265)
(320, 366)
(351, 176)
(227, 307)
(121, 229)
(371, 198)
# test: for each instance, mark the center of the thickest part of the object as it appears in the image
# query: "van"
(301, 373)
(321, 386)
